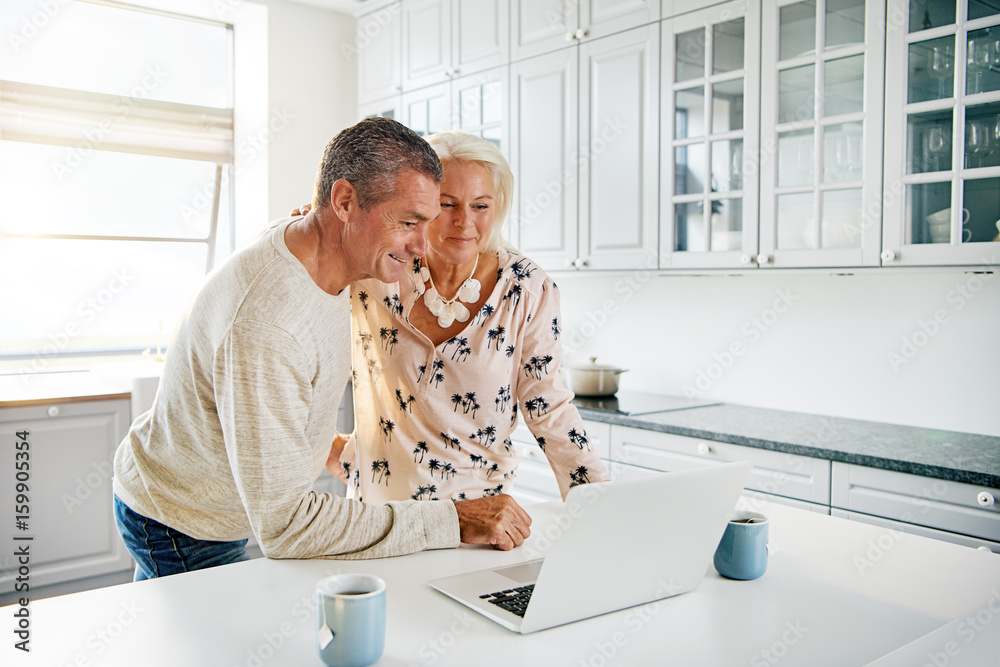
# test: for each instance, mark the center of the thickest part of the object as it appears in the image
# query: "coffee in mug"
(350, 615)
(742, 552)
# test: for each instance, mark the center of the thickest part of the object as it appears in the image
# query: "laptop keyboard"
(514, 600)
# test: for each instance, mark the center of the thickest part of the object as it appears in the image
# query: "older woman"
(446, 358)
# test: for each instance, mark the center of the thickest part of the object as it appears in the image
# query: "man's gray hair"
(370, 156)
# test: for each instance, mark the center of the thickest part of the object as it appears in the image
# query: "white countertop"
(835, 593)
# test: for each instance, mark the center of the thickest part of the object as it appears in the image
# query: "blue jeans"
(160, 550)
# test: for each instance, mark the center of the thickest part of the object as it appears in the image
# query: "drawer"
(775, 473)
(534, 475)
(954, 538)
(955, 507)
(598, 433)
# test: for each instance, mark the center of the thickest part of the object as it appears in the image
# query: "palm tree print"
(508, 446)
(513, 297)
(406, 405)
(433, 464)
(522, 269)
(346, 468)
(365, 340)
(363, 298)
(483, 314)
(509, 350)
(387, 426)
(503, 398)
(422, 368)
(463, 353)
(438, 379)
(470, 400)
(541, 442)
(416, 265)
(578, 439)
(380, 467)
(457, 400)
(495, 491)
(461, 496)
(555, 328)
(393, 304)
(579, 476)
(477, 460)
(421, 449)
(493, 468)
(496, 335)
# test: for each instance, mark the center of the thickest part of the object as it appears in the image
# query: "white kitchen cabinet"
(709, 138)
(390, 107)
(535, 480)
(899, 526)
(942, 138)
(541, 26)
(444, 39)
(586, 131)
(377, 46)
(822, 72)
(955, 507)
(775, 473)
(72, 522)
(476, 104)
(544, 137)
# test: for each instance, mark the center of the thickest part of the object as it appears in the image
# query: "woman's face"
(467, 213)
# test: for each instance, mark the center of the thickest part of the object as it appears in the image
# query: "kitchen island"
(836, 593)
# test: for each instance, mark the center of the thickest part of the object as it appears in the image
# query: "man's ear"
(343, 198)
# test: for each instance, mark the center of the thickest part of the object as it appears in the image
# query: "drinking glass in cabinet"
(981, 197)
(931, 70)
(797, 30)
(928, 142)
(840, 218)
(983, 59)
(982, 135)
(795, 158)
(727, 165)
(927, 14)
(727, 224)
(844, 86)
(845, 22)
(842, 152)
(928, 210)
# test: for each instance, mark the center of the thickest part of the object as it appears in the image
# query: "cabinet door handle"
(570, 37)
(762, 259)
(53, 411)
(888, 256)
(704, 449)
(746, 259)
(985, 499)
(581, 33)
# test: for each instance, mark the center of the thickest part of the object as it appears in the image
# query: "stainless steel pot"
(591, 379)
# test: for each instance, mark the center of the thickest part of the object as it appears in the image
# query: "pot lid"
(593, 366)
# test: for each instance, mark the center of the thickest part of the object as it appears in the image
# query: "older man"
(245, 414)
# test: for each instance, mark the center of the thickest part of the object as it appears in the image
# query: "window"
(116, 174)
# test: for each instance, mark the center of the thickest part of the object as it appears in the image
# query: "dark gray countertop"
(951, 455)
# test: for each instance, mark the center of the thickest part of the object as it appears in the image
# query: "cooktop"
(639, 403)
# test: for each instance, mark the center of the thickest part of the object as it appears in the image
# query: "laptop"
(619, 544)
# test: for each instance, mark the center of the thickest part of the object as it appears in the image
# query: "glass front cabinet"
(709, 137)
(942, 144)
(821, 133)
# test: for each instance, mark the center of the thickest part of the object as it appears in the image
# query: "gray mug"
(350, 615)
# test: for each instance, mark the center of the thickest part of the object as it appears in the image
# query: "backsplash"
(919, 349)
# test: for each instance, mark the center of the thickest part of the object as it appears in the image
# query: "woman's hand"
(333, 461)
(301, 210)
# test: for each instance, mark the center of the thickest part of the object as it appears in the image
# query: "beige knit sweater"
(245, 415)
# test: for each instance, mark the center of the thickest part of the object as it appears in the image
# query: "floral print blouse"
(435, 422)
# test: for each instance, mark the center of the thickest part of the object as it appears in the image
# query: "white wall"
(829, 352)
(312, 95)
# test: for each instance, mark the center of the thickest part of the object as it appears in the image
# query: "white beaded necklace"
(449, 310)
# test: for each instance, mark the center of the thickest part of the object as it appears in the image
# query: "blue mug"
(742, 552)
(350, 615)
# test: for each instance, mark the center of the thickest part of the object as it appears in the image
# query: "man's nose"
(418, 244)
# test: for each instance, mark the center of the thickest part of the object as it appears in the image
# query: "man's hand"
(301, 210)
(333, 461)
(496, 520)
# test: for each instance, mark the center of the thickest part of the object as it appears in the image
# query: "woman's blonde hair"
(464, 147)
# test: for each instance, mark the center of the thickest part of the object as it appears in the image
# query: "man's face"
(393, 232)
